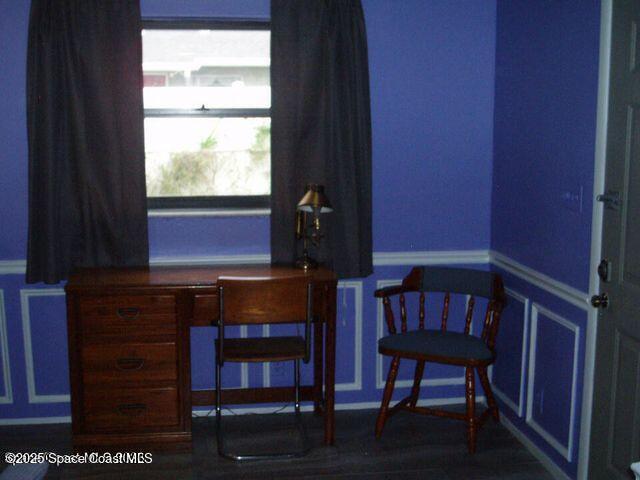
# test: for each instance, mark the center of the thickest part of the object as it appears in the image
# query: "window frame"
(231, 202)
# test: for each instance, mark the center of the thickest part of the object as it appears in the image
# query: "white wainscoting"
(518, 408)
(13, 267)
(25, 295)
(424, 257)
(431, 257)
(559, 289)
(7, 397)
(356, 385)
(566, 450)
(380, 259)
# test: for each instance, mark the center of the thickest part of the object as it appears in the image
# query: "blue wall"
(432, 82)
(13, 129)
(449, 174)
(432, 77)
(544, 143)
(432, 113)
(545, 122)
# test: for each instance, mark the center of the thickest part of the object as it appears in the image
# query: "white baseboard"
(34, 421)
(535, 451)
(432, 402)
(258, 410)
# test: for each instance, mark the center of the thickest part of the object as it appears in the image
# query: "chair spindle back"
(447, 280)
(467, 322)
(403, 314)
(445, 311)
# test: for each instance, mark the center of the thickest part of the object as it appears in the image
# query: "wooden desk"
(129, 357)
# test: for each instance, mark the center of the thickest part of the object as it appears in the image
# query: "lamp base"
(306, 263)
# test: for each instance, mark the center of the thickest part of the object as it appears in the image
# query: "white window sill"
(210, 212)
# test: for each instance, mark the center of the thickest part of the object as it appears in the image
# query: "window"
(207, 100)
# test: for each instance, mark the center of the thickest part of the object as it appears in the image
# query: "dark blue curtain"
(87, 195)
(321, 127)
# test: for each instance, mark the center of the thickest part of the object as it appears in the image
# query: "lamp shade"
(314, 199)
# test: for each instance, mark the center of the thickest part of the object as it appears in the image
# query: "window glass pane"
(214, 68)
(208, 156)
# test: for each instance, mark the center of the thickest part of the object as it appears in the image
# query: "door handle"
(611, 199)
(600, 301)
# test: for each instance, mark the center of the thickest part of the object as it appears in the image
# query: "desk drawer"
(135, 314)
(129, 363)
(107, 410)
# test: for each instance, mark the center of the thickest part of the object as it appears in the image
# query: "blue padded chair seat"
(438, 344)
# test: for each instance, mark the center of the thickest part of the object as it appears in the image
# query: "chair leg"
(417, 378)
(317, 368)
(471, 408)
(296, 379)
(306, 445)
(491, 401)
(386, 396)
(219, 408)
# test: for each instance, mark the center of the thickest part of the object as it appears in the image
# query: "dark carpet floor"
(412, 447)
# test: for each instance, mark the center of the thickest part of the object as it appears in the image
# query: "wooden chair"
(442, 346)
(253, 301)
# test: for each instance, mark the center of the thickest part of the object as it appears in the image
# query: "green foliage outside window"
(193, 173)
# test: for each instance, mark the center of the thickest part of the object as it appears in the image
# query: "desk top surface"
(188, 276)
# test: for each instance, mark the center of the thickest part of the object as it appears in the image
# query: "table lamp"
(312, 204)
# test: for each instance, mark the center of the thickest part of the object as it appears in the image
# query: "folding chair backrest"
(260, 301)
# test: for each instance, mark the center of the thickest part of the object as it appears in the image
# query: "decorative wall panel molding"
(25, 295)
(566, 448)
(244, 366)
(356, 385)
(7, 396)
(518, 406)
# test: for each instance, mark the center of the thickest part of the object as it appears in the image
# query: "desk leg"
(317, 367)
(330, 367)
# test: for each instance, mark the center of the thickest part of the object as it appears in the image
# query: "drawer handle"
(130, 363)
(129, 313)
(132, 409)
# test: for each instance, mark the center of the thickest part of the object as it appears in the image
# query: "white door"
(615, 429)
